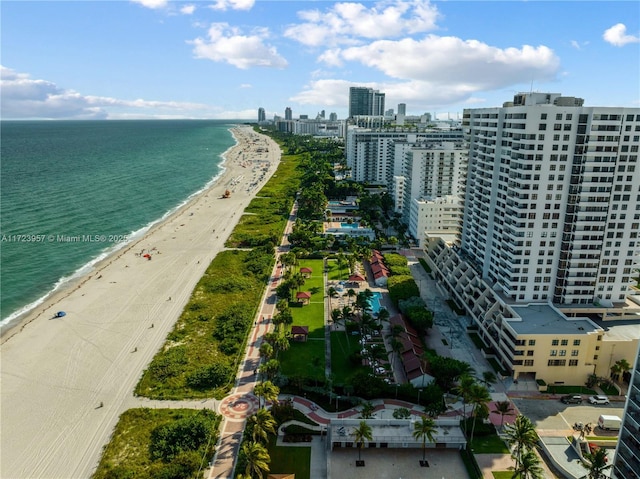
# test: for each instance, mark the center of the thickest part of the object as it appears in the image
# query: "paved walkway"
(241, 403)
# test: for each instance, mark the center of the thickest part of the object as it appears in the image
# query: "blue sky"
(224, 59)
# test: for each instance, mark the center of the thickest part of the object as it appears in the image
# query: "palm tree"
(522, 437)
(266, 350)
(488, 378)
(280, 343)
(257, 458)
(463, 389)
(367, 411)
(425, 429)
(529, 467)
(619, 368)
(266, 390)
(598, 460)
(383, 315)
(270, 368)
(262, 424)
(396, 347)
(479, 397)
(360, 434)
(503, 408)
(351, 294)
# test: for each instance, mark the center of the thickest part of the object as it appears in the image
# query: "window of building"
(564, 342)
(528, 362)
(553, 352)
(573, 362)
(574, 352)
(563, 352)
(557, 362)
(532, 342)
(555, 342)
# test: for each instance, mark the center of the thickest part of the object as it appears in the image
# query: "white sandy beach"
(55, 372)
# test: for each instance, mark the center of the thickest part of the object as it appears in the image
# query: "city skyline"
(225, 59)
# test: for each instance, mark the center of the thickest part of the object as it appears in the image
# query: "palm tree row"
(259, 427)
(523, 439)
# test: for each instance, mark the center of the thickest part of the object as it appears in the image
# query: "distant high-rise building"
(333, 116)
(402, 108)
(365, 102)
(288, 114)
(262, 116)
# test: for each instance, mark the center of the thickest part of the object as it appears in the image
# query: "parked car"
(571, 399)
(599, 400)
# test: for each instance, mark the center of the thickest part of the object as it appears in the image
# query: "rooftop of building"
(619, 330)
(544, 319)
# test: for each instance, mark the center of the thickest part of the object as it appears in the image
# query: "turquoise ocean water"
(73, 191)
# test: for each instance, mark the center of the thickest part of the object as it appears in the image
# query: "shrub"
(170, 440)
(209, 377)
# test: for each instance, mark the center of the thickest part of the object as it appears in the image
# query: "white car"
(599, 400)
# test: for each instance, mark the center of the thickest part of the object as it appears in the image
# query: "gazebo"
(356, 279)
(306, 272)
(303, 297)
(300, 333)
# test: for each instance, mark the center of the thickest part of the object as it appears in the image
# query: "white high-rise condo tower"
(552, 209)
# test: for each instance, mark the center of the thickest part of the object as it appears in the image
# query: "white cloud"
(246, 85)
(233, 4)
(188, 9)
(326, 92)
(152, 3)
(346, 23)
(435, 71)
(226, 44)
(23, 97)
(451, 60)
(419, 94)
(616, 36)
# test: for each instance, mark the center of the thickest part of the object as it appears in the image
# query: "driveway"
(553, 418)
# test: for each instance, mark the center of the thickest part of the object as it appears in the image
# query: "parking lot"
(551, 417)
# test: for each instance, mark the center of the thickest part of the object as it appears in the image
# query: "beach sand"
(55, 373)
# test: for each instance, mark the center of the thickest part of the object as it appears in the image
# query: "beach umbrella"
(60, 314)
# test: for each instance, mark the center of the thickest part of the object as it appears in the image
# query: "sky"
(223, 59)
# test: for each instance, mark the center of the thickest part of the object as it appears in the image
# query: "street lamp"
(419, 391)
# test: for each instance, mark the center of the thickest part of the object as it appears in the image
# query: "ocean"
(74, 191)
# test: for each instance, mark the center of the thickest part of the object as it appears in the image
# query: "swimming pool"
(374, 302)
(349, 225)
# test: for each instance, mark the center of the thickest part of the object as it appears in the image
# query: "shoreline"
(65, 285)
(65, 381)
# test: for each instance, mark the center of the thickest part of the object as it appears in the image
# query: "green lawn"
(336, 274)
(290, 460)
(489, 445)
(305, 359)
(609, 390)
(341, 367)
(311, 315)
(503, 474)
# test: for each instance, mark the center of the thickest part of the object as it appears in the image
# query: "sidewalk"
(241, 402)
